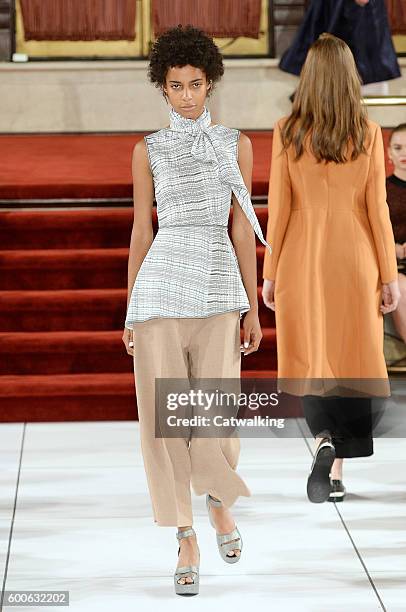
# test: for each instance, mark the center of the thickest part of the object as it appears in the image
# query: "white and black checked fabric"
(191, 268)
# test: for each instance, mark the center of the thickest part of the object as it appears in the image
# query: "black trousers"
(347, 419)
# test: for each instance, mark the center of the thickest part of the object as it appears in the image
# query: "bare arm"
(142, 234)
(242, 233)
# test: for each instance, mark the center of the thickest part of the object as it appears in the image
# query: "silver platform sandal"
(189, 588)
(228, 541)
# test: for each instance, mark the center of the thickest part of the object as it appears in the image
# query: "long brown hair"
(327, 104)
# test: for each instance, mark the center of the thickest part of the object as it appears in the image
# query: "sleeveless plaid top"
(191, 268)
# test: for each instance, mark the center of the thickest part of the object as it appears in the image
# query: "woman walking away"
(185, 305)
(333, 261)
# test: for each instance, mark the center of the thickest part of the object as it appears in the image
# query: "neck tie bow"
(208, 147)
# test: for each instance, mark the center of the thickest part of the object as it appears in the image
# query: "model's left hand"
(252, 332)
(268, 293)
(362, 2)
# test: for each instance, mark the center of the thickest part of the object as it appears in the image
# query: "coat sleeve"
(378, 211)
(279, 204)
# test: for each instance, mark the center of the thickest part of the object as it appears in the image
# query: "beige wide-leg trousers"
(186, 348)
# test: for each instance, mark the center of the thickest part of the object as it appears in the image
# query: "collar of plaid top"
(208, 147)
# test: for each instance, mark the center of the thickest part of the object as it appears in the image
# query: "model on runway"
(192, 285)
(333, 261)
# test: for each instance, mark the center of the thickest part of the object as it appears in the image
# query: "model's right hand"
(127, 338)
(400, 251)
(362, 2)
(268, 290)
(390, 296)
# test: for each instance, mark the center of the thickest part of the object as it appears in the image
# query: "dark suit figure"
(365, 29)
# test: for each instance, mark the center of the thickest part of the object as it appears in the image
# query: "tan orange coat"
(333, 246)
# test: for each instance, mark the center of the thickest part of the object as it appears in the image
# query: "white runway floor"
(75, 515)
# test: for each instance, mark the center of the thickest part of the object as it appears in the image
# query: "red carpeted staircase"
(63, 277)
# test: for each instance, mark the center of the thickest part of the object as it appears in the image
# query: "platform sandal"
(228, 541)
(189, 588)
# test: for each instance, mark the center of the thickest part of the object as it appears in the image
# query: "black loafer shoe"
(318, 483)
(337, 491)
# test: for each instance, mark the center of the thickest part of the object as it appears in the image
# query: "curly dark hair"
(182, 46)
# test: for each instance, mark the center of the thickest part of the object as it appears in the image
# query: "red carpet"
(63, 278)
(90, 165)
